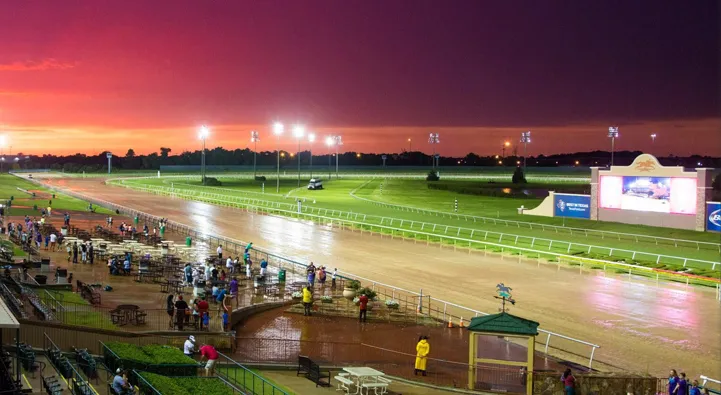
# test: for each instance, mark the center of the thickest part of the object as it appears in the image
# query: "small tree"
(518, 176)
(432, 176)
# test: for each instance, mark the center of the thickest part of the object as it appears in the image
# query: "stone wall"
(598, 384)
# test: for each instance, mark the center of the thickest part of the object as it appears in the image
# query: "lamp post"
(506, 144)
(525, 139)
(336, 141)
(311, 139)
(329, 141)
(3, 142)
(277, 131)
(613, 134)
(254, 139)
(108, 155)
(434, 139)
(410, 147)
(298, 132)
(203, 134)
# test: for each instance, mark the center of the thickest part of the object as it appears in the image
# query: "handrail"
(486, 233)
(507, 221)
(236, 365)
(150, 386)
(705, 379)
(105, 203)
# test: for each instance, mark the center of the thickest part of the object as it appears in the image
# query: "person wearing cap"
(189, 346)
(120, 384)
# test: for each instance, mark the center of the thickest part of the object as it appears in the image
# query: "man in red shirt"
(363, 304)
(202, 310)
(209, 352)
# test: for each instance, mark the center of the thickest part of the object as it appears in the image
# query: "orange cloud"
(42, 65)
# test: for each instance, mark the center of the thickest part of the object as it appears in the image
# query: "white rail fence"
(467, 233)
(534, 225)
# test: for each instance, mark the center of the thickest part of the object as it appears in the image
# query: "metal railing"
(530, 225)
(284, 262)
(436, 228)
(248, 381)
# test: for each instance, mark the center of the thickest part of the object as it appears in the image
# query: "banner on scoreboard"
(713, 216)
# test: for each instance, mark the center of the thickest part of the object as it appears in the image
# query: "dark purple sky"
(378, 72)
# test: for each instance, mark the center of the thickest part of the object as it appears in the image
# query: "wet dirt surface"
(641, 326)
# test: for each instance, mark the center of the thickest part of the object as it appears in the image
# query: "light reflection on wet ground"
(638, 324)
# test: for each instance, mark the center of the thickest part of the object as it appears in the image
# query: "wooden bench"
(344, 383)
(312, 371)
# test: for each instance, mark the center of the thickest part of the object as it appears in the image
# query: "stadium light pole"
(298, 132)
(277, 131)
(3, 143)
(337, 141)
(410, 147)
(254, 139)
(613, 135)
(506, 144)
(311, 139)
(433, 139)
(329, 142)
(525, 139)
(203, 134)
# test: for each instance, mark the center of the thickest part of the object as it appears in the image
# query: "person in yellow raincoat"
(422, 350)
(307, 300)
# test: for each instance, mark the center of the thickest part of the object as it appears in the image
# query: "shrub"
(353, 284)
(371, 294)
(213, 182)
(392, 304)
(432, 176)
(260, 178)
(518, 176)
(326, 299)
(184, 385)
(153, 358)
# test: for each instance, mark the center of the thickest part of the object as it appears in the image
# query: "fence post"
(548, 339)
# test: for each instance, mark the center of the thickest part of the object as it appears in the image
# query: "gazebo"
(503, 325)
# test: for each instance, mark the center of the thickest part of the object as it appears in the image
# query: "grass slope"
(23, 202)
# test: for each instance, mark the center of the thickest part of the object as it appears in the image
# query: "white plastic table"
(361, 374)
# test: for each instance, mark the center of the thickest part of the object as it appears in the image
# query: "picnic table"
(127, 313)
(368, 378)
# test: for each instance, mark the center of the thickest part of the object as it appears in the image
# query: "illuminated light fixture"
(298, 132)
(277, 131)
(336, 141)
(254, 139)
(203, 134)
(433, 139)
(525, 139)
(613, 135)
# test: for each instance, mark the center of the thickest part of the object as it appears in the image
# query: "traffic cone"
(450, 322)
(461, 323)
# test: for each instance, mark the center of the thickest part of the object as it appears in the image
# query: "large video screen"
(656, 194)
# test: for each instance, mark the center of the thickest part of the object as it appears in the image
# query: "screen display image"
(646, 194)
(675, 195)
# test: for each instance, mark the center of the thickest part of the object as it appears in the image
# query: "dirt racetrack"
(641, 326)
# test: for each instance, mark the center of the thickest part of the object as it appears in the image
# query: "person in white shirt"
(189, 346)
(220, 252)
(53, 241)
(208, 269)
(229, 264)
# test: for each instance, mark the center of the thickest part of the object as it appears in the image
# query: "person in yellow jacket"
(307, 300)
(422, 350)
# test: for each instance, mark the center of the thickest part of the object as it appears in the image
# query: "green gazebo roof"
(504, 323)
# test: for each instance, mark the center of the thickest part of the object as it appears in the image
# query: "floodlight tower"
(3, 143)
(311, 139)
(525, 139)
(254, 139)
(433, 139)
(329, 141)
(298, 132)
(337, 141)
(202, 135)
(277, 131)
(108, 155)
(613, 135)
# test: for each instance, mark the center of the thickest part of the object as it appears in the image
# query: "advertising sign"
(713, 218)
(572, 206)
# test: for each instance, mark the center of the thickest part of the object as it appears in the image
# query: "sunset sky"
(86, 76)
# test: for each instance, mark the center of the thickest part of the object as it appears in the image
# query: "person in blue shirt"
(672, 382)
(188, 270)
(694, 390)
(681, 385)
(226, 323)
(120, 384)
(263, 267)
(126, 266)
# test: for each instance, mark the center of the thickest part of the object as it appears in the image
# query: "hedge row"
(183, 385)
(154, 358)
